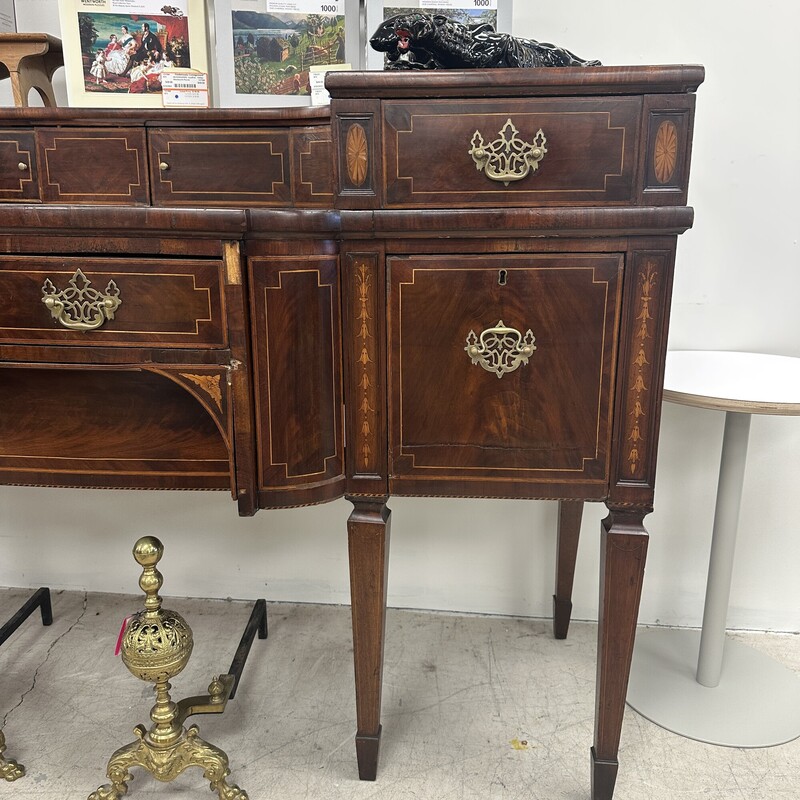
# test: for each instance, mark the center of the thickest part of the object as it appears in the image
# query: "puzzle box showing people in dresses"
(116, 48)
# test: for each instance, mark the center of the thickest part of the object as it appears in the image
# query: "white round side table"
(704, 685)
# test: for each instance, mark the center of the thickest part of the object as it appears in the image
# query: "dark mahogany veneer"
(299, 289)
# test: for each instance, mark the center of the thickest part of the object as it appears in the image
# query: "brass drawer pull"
(23, 167)
(500, 349)
(79, 307)
(508, 158)
(163, 166)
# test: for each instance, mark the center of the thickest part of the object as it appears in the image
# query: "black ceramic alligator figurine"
(432, 41)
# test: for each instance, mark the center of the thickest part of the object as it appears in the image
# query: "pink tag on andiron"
(121, 636)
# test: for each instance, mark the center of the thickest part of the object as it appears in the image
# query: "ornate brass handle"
(23, 167)
(163, 166)
(500, 349)
(79, 307)
(508, 158)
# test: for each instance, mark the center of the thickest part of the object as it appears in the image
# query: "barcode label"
(186, 89)
(184, 80)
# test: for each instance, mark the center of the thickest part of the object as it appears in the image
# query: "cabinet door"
(297, 364)
(501, 371)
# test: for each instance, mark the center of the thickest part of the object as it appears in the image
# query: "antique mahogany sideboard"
(450, 284)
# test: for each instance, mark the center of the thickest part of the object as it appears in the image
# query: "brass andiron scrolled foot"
(167, 763)
(156, 647)
(9, 770)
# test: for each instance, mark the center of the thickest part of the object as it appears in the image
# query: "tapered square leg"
(604, 777)
(368, 536)
(367, 752)
(570, 513)
(622, 560)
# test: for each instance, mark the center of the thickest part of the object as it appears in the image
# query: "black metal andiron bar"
(10, 770)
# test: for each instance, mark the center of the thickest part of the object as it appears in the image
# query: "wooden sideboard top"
(216, 117)
(560, 81)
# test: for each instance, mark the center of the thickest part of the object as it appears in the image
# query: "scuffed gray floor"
(473, 707)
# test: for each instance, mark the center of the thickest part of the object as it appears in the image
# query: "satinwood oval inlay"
(666, 151)
(356, 151)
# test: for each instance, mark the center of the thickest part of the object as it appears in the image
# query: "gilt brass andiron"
(156, 647)
(9, 770)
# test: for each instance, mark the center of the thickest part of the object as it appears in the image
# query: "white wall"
(737, 287)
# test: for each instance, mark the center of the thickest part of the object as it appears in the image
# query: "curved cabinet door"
(297, 363)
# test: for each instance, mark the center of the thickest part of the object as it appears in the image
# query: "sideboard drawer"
(503, 368)
(19, 176)
(96, 166)
(222, 167)
(111, 302)
(511, 152)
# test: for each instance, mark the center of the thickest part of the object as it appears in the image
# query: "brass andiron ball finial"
(157, 642)
(9, 770)
(156, 647)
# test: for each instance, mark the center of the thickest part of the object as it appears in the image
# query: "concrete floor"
(473, 707)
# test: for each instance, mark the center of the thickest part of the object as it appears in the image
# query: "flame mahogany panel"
(548, 421)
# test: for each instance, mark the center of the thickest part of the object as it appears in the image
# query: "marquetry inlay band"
(366, 372)
(638, 387)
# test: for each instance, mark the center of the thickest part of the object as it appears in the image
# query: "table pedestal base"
(756, 704)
